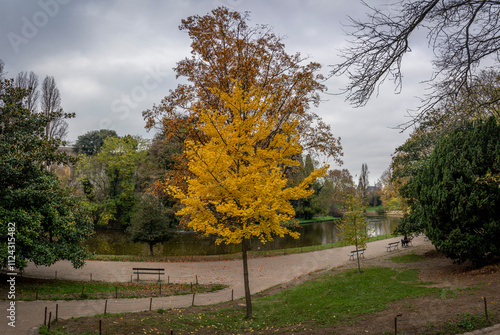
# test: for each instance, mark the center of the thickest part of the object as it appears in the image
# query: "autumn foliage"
(243, 115)
(238, 189)
(225, 48)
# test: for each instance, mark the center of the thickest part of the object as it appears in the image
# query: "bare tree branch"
(463, 34)
(51, 107)
(29, 82)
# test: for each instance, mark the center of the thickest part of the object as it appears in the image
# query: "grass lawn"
(317, 219)
(374, 209)
(53, 289)
(325, 300)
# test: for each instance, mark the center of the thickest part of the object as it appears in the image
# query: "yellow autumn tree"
(237, 189)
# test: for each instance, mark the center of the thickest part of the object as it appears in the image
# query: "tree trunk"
(357, 256)
(248, 298)
(151, 245)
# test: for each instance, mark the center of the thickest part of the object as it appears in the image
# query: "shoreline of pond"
(315, 234)
(227, 257)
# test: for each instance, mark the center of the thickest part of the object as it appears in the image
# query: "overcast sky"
(113, 59)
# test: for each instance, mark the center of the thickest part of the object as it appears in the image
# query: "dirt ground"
(424, 315)
(428, 315)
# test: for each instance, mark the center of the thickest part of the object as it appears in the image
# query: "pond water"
(106, 242)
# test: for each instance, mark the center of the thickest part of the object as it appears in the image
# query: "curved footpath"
(264, 273)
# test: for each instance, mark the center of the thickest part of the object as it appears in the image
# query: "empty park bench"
(392, 246)
(148, 271)
(353, 253)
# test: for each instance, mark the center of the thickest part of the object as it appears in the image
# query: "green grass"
(323, 301)
(466, 323)
(317, 219)
(408, 258)
(54, 289)
(329, 299)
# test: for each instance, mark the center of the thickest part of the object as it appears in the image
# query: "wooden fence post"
(396, 324)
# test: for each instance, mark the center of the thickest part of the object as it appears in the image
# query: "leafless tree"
(363, 182)
(463, 34)
(57, 127)
(29, 82)
(2, 64)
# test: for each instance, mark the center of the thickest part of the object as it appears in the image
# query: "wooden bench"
(148, 271)
(392, 246)
(360, 252)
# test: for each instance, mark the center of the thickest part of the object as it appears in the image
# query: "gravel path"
(264, 273)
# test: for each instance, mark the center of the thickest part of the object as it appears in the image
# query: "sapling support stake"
(50, 318)
(116, 292)
(83, 289)
(196, 279)
(100, 327)
(57, 312)
(160, 289)
(45, 317)
(150, 303)
(105, 306)
(485, 309)
(192, 303)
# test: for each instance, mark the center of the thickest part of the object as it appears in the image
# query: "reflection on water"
(186, 243)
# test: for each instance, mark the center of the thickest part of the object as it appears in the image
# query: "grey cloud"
(100, 51)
